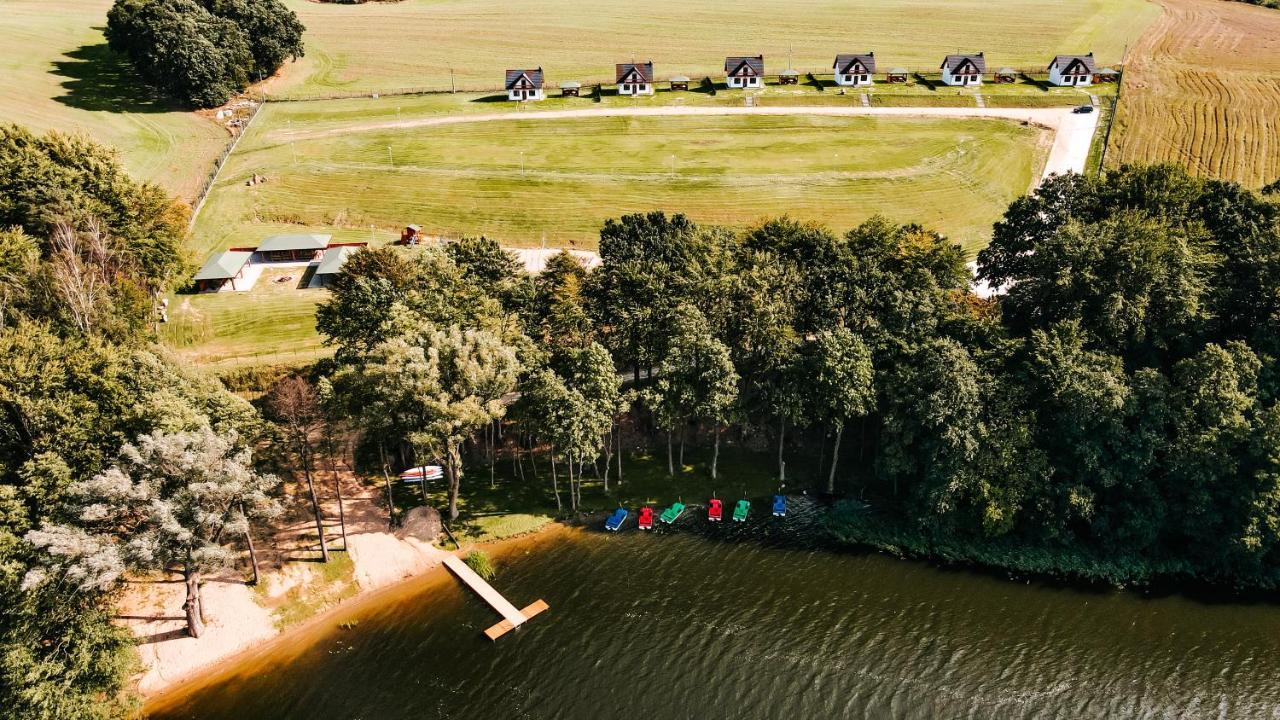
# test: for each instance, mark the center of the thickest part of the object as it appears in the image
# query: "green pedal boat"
(670, 514)
(740, 510)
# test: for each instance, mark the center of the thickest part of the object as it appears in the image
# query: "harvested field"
(422, 43)
(1202, 89)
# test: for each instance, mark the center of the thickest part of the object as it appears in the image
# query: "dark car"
(1083, 110)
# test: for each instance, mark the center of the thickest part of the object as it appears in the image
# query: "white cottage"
(525, 84)
(744, 72)
(854, 69)
(634, 78)
(1072, 70)
(961, 70)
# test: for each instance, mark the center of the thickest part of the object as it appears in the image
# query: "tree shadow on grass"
(99, 79)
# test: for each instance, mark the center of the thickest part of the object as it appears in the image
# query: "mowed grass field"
(1203, 90)
(417, 43)
(525, 181)
(56, 73)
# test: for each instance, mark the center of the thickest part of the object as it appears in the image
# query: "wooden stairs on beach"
(511, 617)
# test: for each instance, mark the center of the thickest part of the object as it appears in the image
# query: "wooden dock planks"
(511, 617)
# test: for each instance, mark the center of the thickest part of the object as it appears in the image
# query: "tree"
(204, 52)
(841, 382)
(696, 378)
(296, 407)
(183, 49)
(168, 501)
(273, 31)
(444, 385)
(357, 313)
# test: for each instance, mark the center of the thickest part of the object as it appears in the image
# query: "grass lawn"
(417, 43)
(56, 73)
(955, 175)
(274, 324)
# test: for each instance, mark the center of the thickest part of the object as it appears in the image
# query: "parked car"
(1083, 110)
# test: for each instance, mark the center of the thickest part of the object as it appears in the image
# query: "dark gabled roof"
(634, 72)
(534, 76)
(847, 63)
(955, 62)
(224, 265)
(334, 258)
(744, 66)
(1074, 64)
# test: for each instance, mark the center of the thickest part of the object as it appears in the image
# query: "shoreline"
(216, 664)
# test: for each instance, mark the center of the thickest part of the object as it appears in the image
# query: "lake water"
(690, 624)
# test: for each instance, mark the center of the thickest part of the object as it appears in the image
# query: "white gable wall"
(959, 80)
(1057, 78)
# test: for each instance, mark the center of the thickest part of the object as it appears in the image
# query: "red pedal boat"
(646, 518)
(715, 510)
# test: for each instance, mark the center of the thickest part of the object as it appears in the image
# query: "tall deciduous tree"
(841, 383)
(445, 384)
(696, 378)
(295, 406)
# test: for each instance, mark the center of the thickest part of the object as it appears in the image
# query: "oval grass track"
(956, 175)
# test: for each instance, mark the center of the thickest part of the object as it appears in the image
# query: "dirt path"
(1072, 133)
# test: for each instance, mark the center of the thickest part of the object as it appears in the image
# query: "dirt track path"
(1072, 133)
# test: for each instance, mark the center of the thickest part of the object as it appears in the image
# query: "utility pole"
(390, 158)
(521, 163)
(453, 88)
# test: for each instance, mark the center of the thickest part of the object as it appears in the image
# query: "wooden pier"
(511, 617)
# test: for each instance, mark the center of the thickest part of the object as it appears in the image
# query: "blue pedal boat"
(615, 520)
(779, 505)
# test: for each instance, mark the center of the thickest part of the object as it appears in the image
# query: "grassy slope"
(955, 175)
(416, 42)
(56, 73)
(1203, 90)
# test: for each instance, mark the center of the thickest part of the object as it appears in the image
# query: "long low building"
(223, 268)
(293, 248)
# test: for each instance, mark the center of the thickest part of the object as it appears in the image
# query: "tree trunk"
(315, 504)
(835, 457)
(386, 477)
(608, 457)
(533, 457)
(619, 456)
(671, 468)
(337, 486)
(782, 463)
(453, 461)
(493, 454)
(683, 426)
(715, 454)
(519, 459)
(195, 623)
(248, 537)
(573, 497)
(555, 481)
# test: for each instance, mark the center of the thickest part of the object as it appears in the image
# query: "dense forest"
(1112, 415)
(89, 408)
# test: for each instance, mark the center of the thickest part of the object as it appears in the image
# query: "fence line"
(217, 167)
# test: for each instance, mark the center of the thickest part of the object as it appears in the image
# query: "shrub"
(479, 561)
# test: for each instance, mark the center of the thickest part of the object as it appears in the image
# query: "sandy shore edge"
(240, 629)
